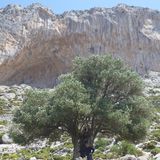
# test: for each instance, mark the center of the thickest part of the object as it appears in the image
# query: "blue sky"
(59, 6)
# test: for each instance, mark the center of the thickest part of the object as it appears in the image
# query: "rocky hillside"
(36, 45)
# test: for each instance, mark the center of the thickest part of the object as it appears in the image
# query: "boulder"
(157, 156)
(6, 139)
(128, 157)
(10, 96)
(33, 158)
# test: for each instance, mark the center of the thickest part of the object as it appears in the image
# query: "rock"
(145, 156)
(38, 144)
(142, 158)
(158, 144)
(10, 148)
(10, 96)
(36, 46)
(33, 158)
(4, 89)
(62, 152)
(56, 144)
(6, 139)
(128, 157)
(25, 87)
(157, 157)
(6, 117)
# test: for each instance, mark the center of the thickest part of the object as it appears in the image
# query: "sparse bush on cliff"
(99, 95)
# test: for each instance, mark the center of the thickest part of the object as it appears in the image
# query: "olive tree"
(100, 95)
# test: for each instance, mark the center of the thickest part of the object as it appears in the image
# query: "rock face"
(36, 45)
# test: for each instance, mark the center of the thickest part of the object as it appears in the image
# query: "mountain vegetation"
(100, 95)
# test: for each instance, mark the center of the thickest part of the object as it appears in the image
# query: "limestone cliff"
(36, 45)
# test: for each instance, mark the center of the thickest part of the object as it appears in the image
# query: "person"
(85, 148)
(89, 151)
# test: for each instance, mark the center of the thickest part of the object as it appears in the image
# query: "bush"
(98, 154)
(1, 134)
(26, 154)
(3, 122)
(68, 145)
(18, 136)
(155, 151)
(101, 143)
(124, 148)
(55, 157)
(149, 145)
(156, 134)
(12, 156)
(155, 101)
(2, 106)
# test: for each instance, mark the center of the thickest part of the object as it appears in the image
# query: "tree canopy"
(100, 95)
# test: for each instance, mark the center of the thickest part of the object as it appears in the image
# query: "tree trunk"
(91, 140)
(76, 148)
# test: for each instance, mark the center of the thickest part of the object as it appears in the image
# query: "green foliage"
(45, 154)
(2, 102)
(101, 143)
(155, 151)
(155, 100)
(149, 145)
(125, 148)
(68, 157)
(100, 94)
(111, 155)
(69, 101)
(68, 145)
(156, 134)
(115, 93)
(18, 135)
(19, 138)
(1, 134)
(33, 115)
(3, 122)
(99, 154)
(2, 106)
(13, 156)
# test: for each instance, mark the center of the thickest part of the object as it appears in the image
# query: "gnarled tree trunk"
(76, 149)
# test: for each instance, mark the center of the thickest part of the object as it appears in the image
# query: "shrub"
(1, 134)
(3, 122)
(124, 148)
(155, 151)
(18, 136)
(12, 156)
(149, 145)
(98, 154)
(156, 134)
(68, 145)
(2, 105)
(101, 143)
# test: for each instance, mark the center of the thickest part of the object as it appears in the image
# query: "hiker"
(89, 151)
(86, 150)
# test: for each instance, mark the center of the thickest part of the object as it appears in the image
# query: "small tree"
(100, 95)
